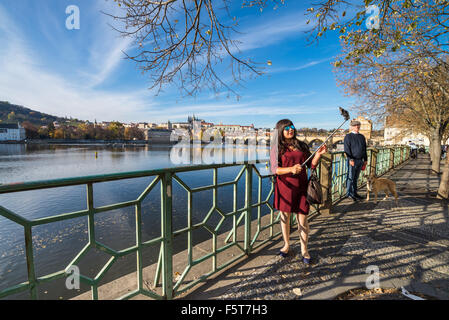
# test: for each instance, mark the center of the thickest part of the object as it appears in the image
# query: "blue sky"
(82, 73)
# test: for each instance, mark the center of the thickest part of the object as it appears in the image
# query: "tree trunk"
(435, 151)
(443, 190)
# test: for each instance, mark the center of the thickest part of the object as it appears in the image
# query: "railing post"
(248, 201)
(30, 262)
(391, 165)
(167, 235)
(373, 163)
(91, 219)
(326, 183)
(139, 265)
(91, 230)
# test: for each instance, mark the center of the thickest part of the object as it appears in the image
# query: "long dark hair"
(282, 142)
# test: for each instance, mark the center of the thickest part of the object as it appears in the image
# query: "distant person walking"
(413, 150)
(355, 150)
(443, 151)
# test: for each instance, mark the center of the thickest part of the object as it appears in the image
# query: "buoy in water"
(96, 154)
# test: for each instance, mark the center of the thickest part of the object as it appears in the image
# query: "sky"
(83, 73)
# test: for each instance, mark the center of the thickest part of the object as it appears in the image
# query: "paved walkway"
(409, 244)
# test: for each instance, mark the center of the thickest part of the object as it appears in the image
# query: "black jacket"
(355, 146)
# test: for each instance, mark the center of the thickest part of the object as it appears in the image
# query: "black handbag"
(314, 191)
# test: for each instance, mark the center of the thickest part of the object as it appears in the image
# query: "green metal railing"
(383, 161)
(164, 271)
(380, 161)
(170, 287)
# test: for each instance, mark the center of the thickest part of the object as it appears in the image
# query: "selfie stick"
(345, 114)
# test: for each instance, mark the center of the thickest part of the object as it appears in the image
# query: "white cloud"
(300, 67)
(106, 58)
(24, 81)
(259, 108)
(272, 31)
(107, 51)
(25, 84)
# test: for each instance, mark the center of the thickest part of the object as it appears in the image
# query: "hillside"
(22, 114)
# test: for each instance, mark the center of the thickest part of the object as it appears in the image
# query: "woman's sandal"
(306, 260)
(283, 254)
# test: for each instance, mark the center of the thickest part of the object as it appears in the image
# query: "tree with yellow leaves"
(401, 69)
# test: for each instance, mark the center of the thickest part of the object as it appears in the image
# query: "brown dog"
(380, 184)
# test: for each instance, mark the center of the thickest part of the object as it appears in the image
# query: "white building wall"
(392, 136)
(7, 134)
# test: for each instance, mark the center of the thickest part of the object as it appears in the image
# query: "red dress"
(290, 192)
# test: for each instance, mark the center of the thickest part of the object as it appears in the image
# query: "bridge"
(318, 139)
(309, 139)
(242, 262)
(264, 139)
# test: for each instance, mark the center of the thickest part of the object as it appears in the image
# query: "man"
(355, 149)
(413, 149)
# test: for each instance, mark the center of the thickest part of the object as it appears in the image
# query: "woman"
(290, 195)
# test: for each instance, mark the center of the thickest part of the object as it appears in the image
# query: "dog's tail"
(392, 188)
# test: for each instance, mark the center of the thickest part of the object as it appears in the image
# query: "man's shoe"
(353, 199)
(359, 197)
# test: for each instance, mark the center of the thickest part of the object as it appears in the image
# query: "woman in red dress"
(290, 194)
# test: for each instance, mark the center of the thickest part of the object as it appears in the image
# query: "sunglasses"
(289, 127)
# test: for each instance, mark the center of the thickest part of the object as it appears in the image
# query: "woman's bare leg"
(303, 229)
(285, 227)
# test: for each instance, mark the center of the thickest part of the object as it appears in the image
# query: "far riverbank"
(88, 142)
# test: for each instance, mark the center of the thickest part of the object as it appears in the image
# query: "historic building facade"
(12, 132)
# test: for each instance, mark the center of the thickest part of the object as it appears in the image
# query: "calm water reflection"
(56, 244)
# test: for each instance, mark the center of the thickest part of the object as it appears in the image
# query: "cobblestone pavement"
(408, 244)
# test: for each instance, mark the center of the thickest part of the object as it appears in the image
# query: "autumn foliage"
(89, 131)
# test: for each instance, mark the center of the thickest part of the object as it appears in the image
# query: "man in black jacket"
(355, 149)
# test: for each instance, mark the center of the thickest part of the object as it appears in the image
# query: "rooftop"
(9, 126)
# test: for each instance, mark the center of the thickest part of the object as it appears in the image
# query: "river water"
(56, 244)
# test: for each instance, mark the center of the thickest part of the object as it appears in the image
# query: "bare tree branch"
(186, 43)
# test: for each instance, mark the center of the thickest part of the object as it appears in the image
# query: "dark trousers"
(353, 176)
